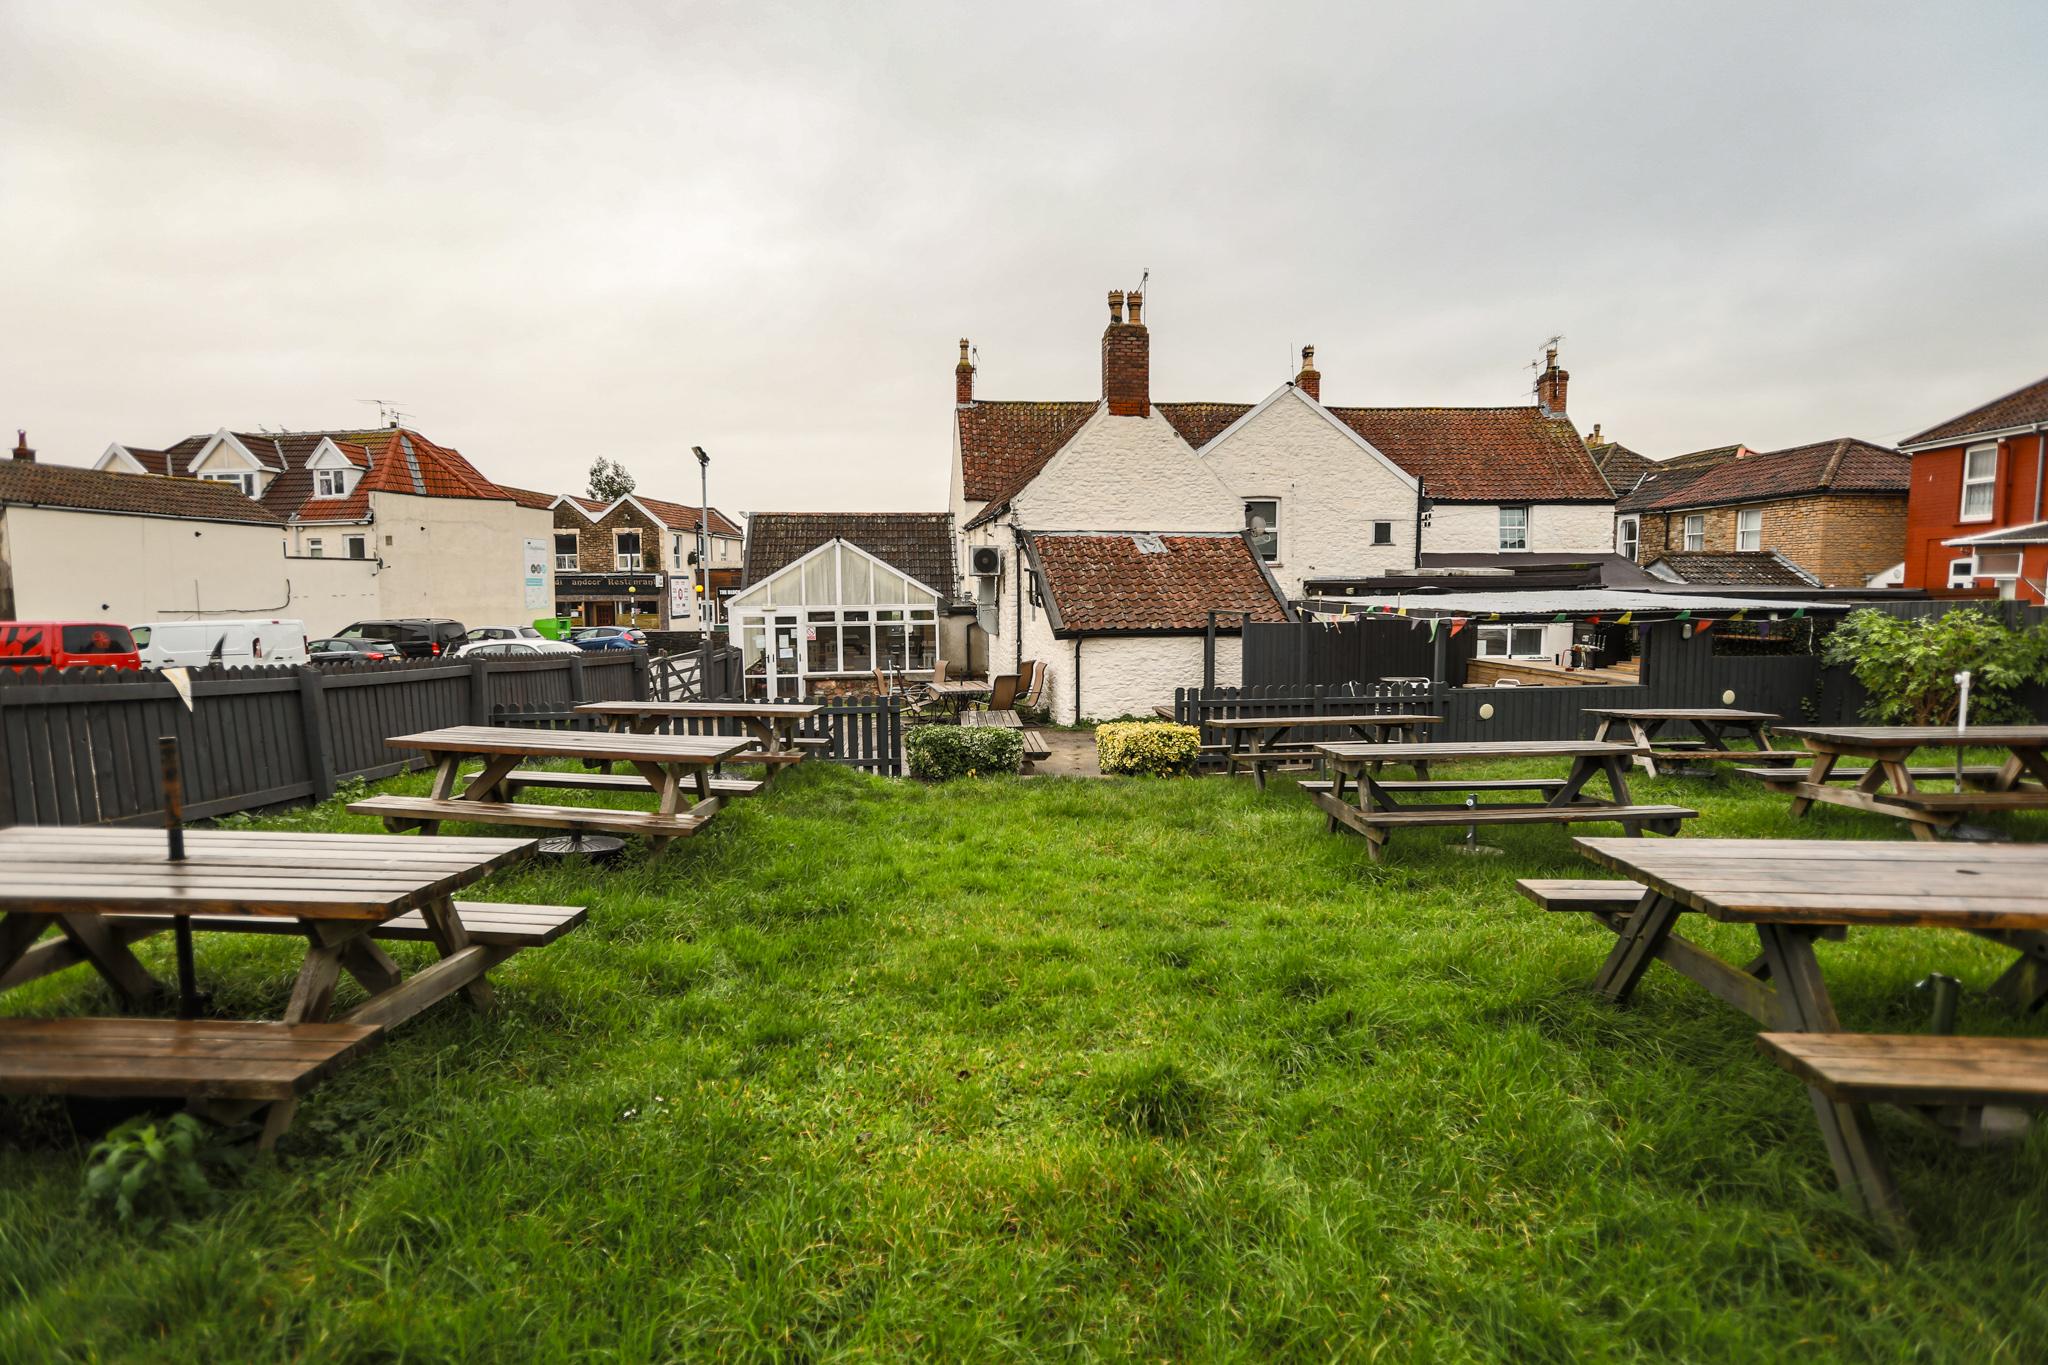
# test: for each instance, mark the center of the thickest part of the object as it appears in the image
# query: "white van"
(232, 644)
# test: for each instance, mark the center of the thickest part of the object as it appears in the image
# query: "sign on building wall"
(680, 601)
(538, 553)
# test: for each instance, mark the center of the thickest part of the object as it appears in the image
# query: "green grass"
(1026, 1068)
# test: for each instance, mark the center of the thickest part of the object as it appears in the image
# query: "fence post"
(642, 662)
(576, 694)
(313, 730)
(479, 690)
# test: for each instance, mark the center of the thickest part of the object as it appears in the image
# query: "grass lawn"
(1018, 1068)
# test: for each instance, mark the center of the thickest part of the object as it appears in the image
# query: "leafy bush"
(1156, 747)
(143, 1170)
(1908, 665)
(942, 752)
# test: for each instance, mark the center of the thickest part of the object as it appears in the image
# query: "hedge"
(941, 752)
(1156, 747)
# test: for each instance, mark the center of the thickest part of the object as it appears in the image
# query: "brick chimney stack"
(963, 378)
(21, 448)
(1550, 385)
(1310, 380)
(1127, 358)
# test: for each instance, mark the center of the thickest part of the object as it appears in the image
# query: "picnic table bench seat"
(200, 1061)
(1599, 895)
(1915, 1070)
(1035, 747)
(624, 782)
(1662, 819)
(1485, 784)
(405, 812)
(1791, 775)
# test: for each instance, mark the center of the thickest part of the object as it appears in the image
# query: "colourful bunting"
(1702, 627)
(1457, 624)
(1625, 618)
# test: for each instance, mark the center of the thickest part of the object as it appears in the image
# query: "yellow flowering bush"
(1156, 747)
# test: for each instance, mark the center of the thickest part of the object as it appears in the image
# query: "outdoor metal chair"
(1002, 693)
(1034, 690)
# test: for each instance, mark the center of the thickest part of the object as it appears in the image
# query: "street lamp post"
(703, 584)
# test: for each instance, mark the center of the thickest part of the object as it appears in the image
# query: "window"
(1696, 531)
(1511, 642)
(315, 548)
(858, 642)
(676, 553)
(1514, 528)
(358, 547)
(1262, 519)
(1749, 529)
(245, 482)
(1980, 477)
(1628, 537)
(330, 483)
(1383, 533)
(1962, 573)
(1998, 564)
(626, 551)
(821, 653)
(565, 552)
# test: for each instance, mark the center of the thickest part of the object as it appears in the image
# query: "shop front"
(610, 599)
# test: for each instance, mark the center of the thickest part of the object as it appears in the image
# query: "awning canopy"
(1548, 606)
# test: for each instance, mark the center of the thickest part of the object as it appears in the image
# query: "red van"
(66, 644)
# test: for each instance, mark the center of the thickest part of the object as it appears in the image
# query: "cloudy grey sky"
(555, 232)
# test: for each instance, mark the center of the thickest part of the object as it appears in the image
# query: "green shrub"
(1157, 747)
(942, 752)
(1908, 665)
(147, 1169)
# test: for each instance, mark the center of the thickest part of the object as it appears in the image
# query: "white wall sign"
(538, 554)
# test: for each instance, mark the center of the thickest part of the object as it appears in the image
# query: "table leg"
(2024, 985)
(313, 993)
(1583, 767)
(484, 786)
(370, 965)
(1817, 778)
(18, 933)
(111, 959)
(444, 925)
(2026, 761)
(1641, 938)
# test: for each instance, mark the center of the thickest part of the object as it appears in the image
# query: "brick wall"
(1840, 540)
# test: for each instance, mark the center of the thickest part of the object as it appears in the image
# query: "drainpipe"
(1017, 587)
(1422, 503)
(1077, 680)
(2040, 465)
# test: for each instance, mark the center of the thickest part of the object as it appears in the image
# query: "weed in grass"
(1153, 1097)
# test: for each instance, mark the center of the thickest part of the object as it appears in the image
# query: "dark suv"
(417, 637)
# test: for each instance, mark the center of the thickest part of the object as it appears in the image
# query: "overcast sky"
(553, 232)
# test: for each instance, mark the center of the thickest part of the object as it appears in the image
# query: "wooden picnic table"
(1890, 787)
(1375, 810)
(957, 692)
(773, 725)
(1795, 891)
(1710, 725)
(676, 768)
(1255, 741)
(103, 888)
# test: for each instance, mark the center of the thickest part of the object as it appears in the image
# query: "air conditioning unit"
(987, 561)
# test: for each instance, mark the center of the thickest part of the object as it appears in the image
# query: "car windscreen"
(381, 630)
(100, 639)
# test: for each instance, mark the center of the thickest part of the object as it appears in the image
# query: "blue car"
(609, 637)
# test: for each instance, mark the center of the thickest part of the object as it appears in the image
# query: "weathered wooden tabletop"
(1873, 738)
(1718, 713)
(623, 747)
(703, 710)
(1334, 719)
(1364, 751)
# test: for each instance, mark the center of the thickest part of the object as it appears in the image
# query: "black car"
(351, 651)
(417, 637)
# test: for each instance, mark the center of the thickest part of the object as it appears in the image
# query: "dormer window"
(244, 481)
(330, 483)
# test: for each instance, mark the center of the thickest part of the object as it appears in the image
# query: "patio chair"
(1034, 690)
(1002, 693)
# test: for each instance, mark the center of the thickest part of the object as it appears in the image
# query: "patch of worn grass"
(1029, 1068)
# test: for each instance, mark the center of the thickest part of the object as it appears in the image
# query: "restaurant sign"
(608, 585)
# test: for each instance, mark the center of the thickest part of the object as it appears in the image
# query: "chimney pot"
(963, 378)
(1550, 385)
(1310, 380)
(1127, 359)
(1116, 307)
(1594, 439)
(1137, 302)
(21, 447)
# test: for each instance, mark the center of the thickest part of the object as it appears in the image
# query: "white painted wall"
(328, 594)
(1128, 474)
(1554, 528)
(71, 565)
(1330, 489)
(457, 557)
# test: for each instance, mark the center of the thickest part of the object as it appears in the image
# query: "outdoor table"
(958, 692)
(1253, 741)
(1889, 787)
(676, 768)
(1709, 723)
(773, 725)
(1375, 809)
(1794, 891)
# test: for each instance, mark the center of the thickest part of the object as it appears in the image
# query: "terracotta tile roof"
(681, 516)
(1484, 454)
(527, 497)
(153, 461)
(1621, 467)
(1750, 568)
(1665, 477)
(1102, 582)
(1201, 423)
(918, 543)
(398, 460)
(2021, 407)
(1841, 466)
(27, 483)
(1003, 445)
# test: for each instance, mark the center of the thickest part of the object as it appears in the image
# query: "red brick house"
(1976, 522)
(633, 561)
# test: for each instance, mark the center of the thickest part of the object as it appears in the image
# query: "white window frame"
(1505, 636)
(1968, 577)
(330, 483)
(1522, 510)
(1987, 481)
(567, 563)
(358, 547)
(1694, 531)
(1628, 537)
(676, 551)
(315, 548)
(623, 562)
(244, 479)
(1998, 565)
(1749, 528)
(1279, 520)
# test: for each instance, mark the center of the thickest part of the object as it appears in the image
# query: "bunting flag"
(1593, 620)
(1685, 615)
(1798, 612)
(1402, 612)
(1625, 618)
(1559, 617)
(1432, 628)
(1494, 617)
(1739, 613)
(1457, 624)
(1702, 627)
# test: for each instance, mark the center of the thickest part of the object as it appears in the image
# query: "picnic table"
(105, 888)
(1376, 808)
(774, 727)
(675, 768)
(1255, 741)
(1889, 786)
(957, 692)
(1794, 892)
(1710, 726)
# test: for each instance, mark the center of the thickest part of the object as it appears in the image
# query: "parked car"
(525, 635)
(417, 637)
(527, 649)
(335, 650)
(609, 637)
(66, 644)
(230, 643)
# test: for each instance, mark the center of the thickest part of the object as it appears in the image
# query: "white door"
(785, 657)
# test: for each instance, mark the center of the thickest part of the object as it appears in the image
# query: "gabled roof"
(528, 497)
(1125, 582)
(1732, 568)
(2023, 407)
(1484, 454)
(1844, 466)
(1201, 423)
(28, 484)
(670, 516)
(919, 544)
(1004, 445)
(1667, 476)
(1621, 467)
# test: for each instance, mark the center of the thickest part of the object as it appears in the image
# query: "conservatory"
(835, 613)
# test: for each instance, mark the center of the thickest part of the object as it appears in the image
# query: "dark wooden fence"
(79, 747)
(866, 732)
(684, 677)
